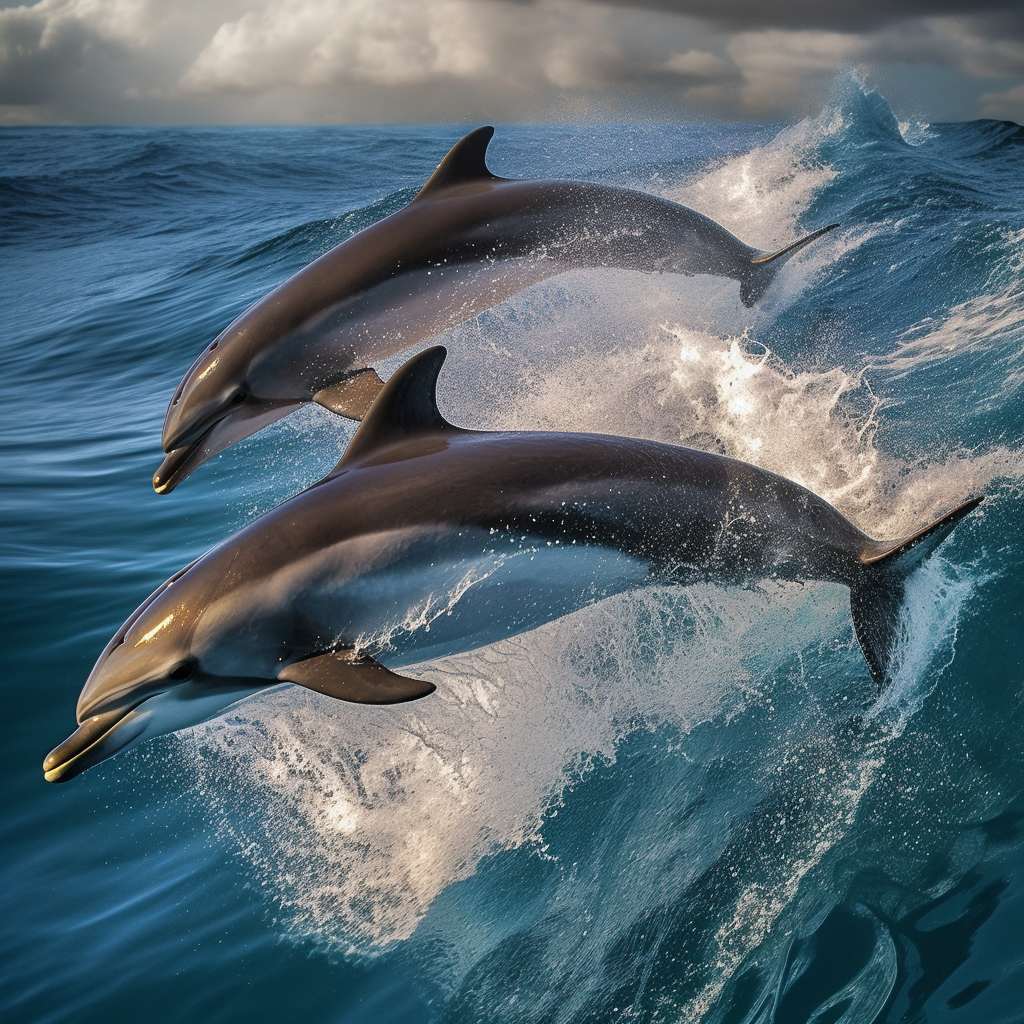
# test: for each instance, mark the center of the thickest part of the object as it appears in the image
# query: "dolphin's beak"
(175, 707)
(178, 463)
(96, 739)
(239, 423)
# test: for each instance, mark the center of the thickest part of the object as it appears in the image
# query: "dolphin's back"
(687, 513)
(679, 508)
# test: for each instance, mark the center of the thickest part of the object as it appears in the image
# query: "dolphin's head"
(149, 680)
(214, 406)
(215, 385)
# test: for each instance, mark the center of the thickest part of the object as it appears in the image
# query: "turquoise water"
(679, 805)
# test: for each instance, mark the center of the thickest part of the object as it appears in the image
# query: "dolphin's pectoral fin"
(464, 162)
(353, 396)
(354, 677)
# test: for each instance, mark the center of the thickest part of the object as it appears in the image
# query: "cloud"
(779, 67)
(419, 49)
(846, 15)
(315, 43)
(1003, 106)
(983, 48)
(782, 69)
(700, 64)
(504, 49)
(44, 48)
(90, 60)
(444, 60)
(562, 44)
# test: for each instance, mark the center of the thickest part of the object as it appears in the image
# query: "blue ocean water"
(678, 805)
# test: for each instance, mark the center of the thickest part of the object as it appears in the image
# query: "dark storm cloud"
(858, 16)
(31, 72)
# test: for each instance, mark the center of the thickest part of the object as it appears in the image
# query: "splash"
(936, 595)
(377, 812)
(367, 814)
(762, 195)
(726, 394)
(732, 395)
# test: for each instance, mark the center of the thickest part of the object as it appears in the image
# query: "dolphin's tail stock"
(877, 592)
(764, 268)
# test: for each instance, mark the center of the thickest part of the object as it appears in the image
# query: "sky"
(458, 61)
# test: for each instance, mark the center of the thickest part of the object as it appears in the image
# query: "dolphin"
(428, 539)
(466, 242)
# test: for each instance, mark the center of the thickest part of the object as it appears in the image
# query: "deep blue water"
(679, 805)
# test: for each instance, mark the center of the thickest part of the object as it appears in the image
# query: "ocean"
(677, 805)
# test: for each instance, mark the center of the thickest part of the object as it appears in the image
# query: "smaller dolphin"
(428, 539)
(468, 241)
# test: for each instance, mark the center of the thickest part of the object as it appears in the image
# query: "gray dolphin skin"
(468, 241)
(428, 539)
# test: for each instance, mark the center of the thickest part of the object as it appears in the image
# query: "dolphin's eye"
(238, 396)
(186, 670)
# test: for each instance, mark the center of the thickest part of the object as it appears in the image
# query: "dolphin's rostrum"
(428, 539)
(468, 241)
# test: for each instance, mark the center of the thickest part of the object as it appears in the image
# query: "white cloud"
(316, 43)
(560, 44)
(1004, 106)
(976, 49)
(79, 59)
(42, 45)
(130, 22)
(779, 68)
(700, 64)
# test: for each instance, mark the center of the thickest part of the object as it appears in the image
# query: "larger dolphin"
(428, 539)
(467, 241)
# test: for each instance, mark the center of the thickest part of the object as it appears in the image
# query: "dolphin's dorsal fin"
(406, 406)
(465, 162)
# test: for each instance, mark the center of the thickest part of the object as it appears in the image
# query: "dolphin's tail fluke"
(877, 592)
(764, 268)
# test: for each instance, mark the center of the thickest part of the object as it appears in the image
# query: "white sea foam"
(643, 376)
(936, 595)
(762, 194)
(725, 394)
(917, 133)
(990, 322)
(366, 814)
